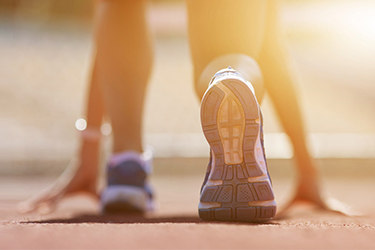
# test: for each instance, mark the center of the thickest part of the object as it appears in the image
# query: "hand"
(77, 178)
(308, 192)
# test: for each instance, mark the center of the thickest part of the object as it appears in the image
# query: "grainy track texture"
(76, 224)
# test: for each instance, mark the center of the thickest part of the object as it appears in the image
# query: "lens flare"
(81, 124)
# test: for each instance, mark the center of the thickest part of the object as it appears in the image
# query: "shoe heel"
(125, 199)
(238, 187)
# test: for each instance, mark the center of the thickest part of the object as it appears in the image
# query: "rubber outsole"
(238, 188)
(125, 199)
(121, 208)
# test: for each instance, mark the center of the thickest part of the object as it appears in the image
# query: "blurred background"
(45, 56)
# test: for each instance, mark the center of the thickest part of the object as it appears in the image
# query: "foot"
(127, 189)
(237, 186)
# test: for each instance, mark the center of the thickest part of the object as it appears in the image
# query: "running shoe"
(127, 188)
(237, 186)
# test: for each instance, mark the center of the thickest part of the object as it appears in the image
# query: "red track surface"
(77, 225)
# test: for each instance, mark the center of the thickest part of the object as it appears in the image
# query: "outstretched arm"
(279, 83)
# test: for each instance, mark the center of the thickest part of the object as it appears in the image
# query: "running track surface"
(76, 224)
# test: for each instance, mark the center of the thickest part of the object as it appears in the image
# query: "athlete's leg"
(124, 56)
(223, 34)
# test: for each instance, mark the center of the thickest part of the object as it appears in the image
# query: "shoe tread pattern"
(236, 191)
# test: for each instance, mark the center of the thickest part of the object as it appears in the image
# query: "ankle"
(242, 63)
(144, 158)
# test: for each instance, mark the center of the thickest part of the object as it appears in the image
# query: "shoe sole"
(238, 187)
(125, 199)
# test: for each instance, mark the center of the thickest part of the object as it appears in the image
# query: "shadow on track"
(131, 219)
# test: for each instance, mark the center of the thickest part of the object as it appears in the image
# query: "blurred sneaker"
(237, 186)
(127, 187)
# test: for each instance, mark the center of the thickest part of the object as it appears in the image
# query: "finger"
(340, 207)
(25, 207)
(35, 202)
(46, 207)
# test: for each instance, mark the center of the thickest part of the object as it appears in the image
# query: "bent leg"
(124, 60)
(223, 34)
